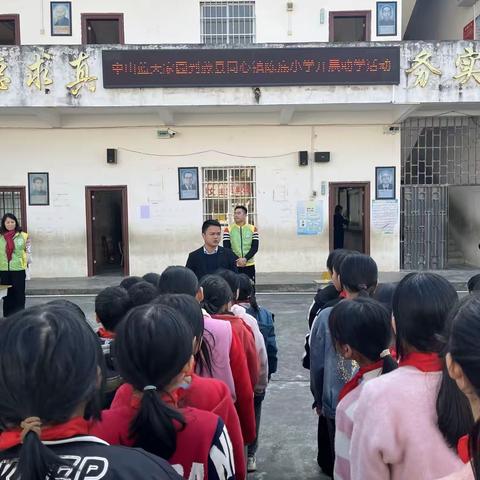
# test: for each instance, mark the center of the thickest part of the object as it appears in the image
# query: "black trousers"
(249, 271)
(257, 403)
(15, 299)
(325, 455)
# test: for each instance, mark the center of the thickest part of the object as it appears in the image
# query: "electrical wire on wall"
(190, 154)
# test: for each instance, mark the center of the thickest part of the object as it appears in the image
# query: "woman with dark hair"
(49, 375)
(463, 362)
(153, 348)
(339, 222)
(217, 299)
(15, 250)
(213, 360)
(395, 433)
(207, 394)
(361, 331)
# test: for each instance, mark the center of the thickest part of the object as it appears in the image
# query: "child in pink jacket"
(395, 431)
(361, 330)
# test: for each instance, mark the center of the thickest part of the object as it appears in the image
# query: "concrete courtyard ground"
(288, 436)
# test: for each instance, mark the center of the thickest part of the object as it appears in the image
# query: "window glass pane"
(103, 31)
(7, 32)
(349, 29)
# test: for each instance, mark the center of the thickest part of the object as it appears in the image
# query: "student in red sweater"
(153, 347)
(50, 361)
(177, 279)
(204, 393)
(218, 299)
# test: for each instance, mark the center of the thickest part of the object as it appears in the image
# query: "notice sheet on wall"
(309, 217)
(385, 216)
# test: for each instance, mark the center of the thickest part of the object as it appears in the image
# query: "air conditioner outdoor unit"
(289, 6)
(465, 3)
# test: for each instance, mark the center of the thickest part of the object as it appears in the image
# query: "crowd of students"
(395, 374)
(177, 369)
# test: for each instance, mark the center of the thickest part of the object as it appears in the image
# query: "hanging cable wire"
(205, 151)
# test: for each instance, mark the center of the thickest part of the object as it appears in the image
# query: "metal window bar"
(11, 202)
(441, 151)
(226, 187)
(227, 22)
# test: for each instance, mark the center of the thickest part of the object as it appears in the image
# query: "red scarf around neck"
(104, 333)
(357, 378)
(425, 362)
(10, 246)
(463, 449)
(75, 426)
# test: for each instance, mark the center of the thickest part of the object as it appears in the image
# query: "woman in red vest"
(154, 351)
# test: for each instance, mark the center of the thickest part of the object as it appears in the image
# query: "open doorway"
(463, 227)
(354, 197)
(107, 230)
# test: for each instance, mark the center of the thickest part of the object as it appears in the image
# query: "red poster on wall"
(468, 31)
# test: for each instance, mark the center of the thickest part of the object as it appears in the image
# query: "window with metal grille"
(229, 22)
(12, 200)
(224, 189)
(441, 151)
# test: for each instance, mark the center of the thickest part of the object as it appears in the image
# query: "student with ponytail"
(329, 372)
(463, 362)
(153, 348)
(207, 394)
(217, 300)
(361, 331)
(213, 360)
(395, 431)
(50, 361)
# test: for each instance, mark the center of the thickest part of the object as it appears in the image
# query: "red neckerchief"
(353, 383)
(102, 333)
(75, 426)
(463, 449)
(10, 244)
(343, 294)
(425, 362)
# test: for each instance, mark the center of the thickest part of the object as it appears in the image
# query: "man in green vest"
(242, 238)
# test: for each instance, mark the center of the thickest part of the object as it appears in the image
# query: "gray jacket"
(328, 370)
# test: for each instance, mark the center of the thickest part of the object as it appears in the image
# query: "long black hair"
(192, 313)
(421, 307)
(49, 360)
(11, 216)
(359, 274)
(463, 346)
(246, 291)
(365, 325)
(232, 279)
(153, 344)
(178, 279)
(216, 294)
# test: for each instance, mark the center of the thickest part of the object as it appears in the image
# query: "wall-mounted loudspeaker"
(322, 157)
(303, 158)
(111, 155)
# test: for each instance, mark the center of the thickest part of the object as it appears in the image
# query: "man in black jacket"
(211, 257)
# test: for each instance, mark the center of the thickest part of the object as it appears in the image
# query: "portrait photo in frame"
(188, 183)
(61, 19)
(386, 19)
(38, 189)
(385, 183)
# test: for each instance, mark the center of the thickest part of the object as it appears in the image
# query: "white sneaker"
(252, 464)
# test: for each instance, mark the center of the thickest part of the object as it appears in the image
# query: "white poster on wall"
(385, 216)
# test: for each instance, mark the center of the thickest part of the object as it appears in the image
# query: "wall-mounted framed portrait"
(61, 19)
(385, 183)
(38, 189)
(386, 19)
(188, 183)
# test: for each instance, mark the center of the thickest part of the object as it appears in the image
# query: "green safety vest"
(19, 255)
(241, 240)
